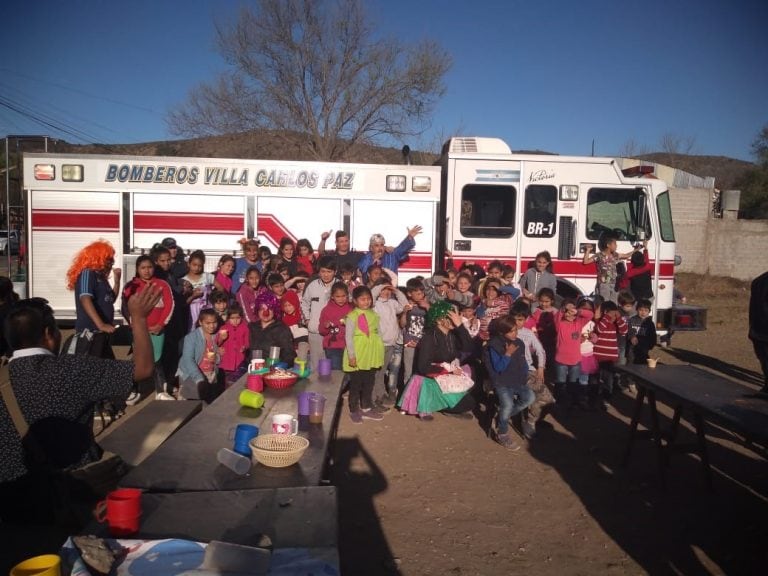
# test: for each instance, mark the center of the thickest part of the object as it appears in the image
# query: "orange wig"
(93, 257)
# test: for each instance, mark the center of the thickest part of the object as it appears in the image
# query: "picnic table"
(187, 462)
(707, 396)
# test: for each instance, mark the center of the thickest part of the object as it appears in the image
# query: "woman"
(94, 298)
(268, 330)
(439, 384)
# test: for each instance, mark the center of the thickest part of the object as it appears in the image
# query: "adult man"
(758, 323)
(342, 253)
(378, 254)
(56, 397)
(179, 266)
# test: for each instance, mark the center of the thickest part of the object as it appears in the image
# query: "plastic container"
(238, 463)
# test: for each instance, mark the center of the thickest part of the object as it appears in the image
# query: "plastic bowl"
(278, 450)
(272, 380)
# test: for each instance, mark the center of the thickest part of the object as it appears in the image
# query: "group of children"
(526, 337)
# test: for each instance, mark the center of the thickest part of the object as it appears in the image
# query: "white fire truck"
(480, 204)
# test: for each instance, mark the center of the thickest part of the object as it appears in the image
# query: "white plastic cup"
(238, 463)
(285, 424)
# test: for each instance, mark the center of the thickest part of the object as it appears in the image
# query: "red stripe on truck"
(164, 223)
(70, 221)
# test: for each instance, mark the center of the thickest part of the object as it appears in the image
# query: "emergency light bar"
(45, 172)
(396, 183)
(72, 172)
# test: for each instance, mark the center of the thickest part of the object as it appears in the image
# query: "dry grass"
(700, 286)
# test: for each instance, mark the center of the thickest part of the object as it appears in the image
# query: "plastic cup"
(121, 509)
(304, 403)
(274, 352)
(316, 408)
(238, 463)
(243, 435)
(45, 565)
(251, 399)
(254, 383)
(652, 362)
(324, 367)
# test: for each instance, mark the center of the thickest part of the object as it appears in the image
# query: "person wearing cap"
(179, 266)
(438, 287)
(378, 253)
(438, 353)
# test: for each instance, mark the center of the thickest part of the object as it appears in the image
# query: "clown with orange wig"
(95, 298)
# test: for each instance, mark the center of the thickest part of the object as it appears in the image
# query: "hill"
(274, 145)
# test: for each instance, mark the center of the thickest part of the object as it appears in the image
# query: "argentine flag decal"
(497, 176)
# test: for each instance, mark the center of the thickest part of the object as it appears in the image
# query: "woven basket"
(278, 450)
(277, 382)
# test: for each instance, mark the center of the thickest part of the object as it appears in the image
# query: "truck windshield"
(617, 210)
(666, 229)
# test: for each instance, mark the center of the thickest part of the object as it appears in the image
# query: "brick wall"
(721, 247)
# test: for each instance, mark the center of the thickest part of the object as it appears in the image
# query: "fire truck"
(479, 203)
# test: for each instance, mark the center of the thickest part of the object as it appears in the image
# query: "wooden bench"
(136, 436)
(707, 396)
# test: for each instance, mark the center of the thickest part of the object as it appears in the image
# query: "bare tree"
(632, 149)
(315, 67)
(673, 144)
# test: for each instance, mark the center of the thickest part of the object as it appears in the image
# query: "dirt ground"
(441, 498)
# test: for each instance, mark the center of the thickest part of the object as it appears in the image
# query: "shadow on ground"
(363, 547)
(684, 528)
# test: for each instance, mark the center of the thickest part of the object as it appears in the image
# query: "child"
(233, 342)
(539, 276)
(638, 278)
(626, 302)
(348, 273)
(220, 303)
(544, 399)
(375, 271)
(246, 295)
(156, 321)
(493, 305)
(609, 326)
(265, 256)
(544, 317)
(508, 284)
(315, 297)
(305, 258)
(276, 284)
(389, 302)
(464, 286)
(242, 265)
(504, 359)
(331, 324)
(438, 287)
(293, 319)
(199, 364)
(363, 356)
(201, 282)
(223, 278)
(470, 320)
(589, 365)
(642, 333)
(605, 261)
(412, 323)
(569, 322)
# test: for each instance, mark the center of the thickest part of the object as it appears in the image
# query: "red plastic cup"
(121, 509)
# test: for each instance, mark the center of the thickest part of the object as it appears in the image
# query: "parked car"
(14, 240)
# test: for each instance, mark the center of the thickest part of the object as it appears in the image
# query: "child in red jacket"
(233, 340)
(610, 325)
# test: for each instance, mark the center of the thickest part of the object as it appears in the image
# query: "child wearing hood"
(293, 319)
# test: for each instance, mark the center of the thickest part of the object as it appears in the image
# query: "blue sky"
(544, 74)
